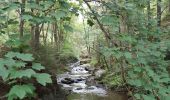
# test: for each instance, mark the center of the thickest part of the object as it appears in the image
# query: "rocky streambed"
(81, 84)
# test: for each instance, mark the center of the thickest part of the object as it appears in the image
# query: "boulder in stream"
(67, 81)
(98, 74)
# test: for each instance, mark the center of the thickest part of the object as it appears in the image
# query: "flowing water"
(80, 84)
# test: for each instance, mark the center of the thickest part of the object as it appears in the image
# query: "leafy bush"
(148, 71)
(16, 71)
(146, 67)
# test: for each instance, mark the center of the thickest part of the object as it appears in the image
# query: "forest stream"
(80, 83)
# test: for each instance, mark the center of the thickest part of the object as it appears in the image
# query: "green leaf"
(24, 57)
(27, 17)
(37, 66)
(3, 72)
(21, 91)
(137, 96)
(135, 82)
(128, 55)
(22, 73)
(165, 80)
(9, 62)
(19, 64)
(137, 69)
(59, 14)
(109, 20)
(68, 28)
(148, 97)
(43, 78)
(90, 22)
(11, 54)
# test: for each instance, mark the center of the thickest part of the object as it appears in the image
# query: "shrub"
(16, 71)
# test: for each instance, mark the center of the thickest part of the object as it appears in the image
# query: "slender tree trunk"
(123, 26)
(21, 28)
(46, 35)
(55, 33)
(52, 35)
(149, 14)
(36, 40)
(169, 6)
(43, 33)
(158, 13)
(32, 35)
(36, 37)
(32, 31)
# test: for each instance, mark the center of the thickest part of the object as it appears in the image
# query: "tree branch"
(100, 25)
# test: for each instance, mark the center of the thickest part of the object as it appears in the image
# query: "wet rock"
(74, 64)
(79, 88)
(78, 70)
(87, 67)
(98, 74)
(90, 88)
(67, 81)
(78, 80)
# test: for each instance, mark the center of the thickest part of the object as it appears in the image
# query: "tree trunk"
(123, 26)
(55, 33)
(35, 30)
(21, 26)
(46, 35)
(149, 14)
(52, 35)
(158, 13)
(36, 37)
(169, 6)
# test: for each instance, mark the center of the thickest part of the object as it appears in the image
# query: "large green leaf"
(37, 66)
(135, 82)
(68, 28)
(148, 97)
(20, 91)
(9, 62)
(3, 72)
(43, 78)
(11, 54)
(128, 55)
(22, 73)
(27, 17)
(59, 14)
(19, 64)
(24, 57)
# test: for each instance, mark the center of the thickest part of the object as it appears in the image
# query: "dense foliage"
(130, 39)
(16, 71)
